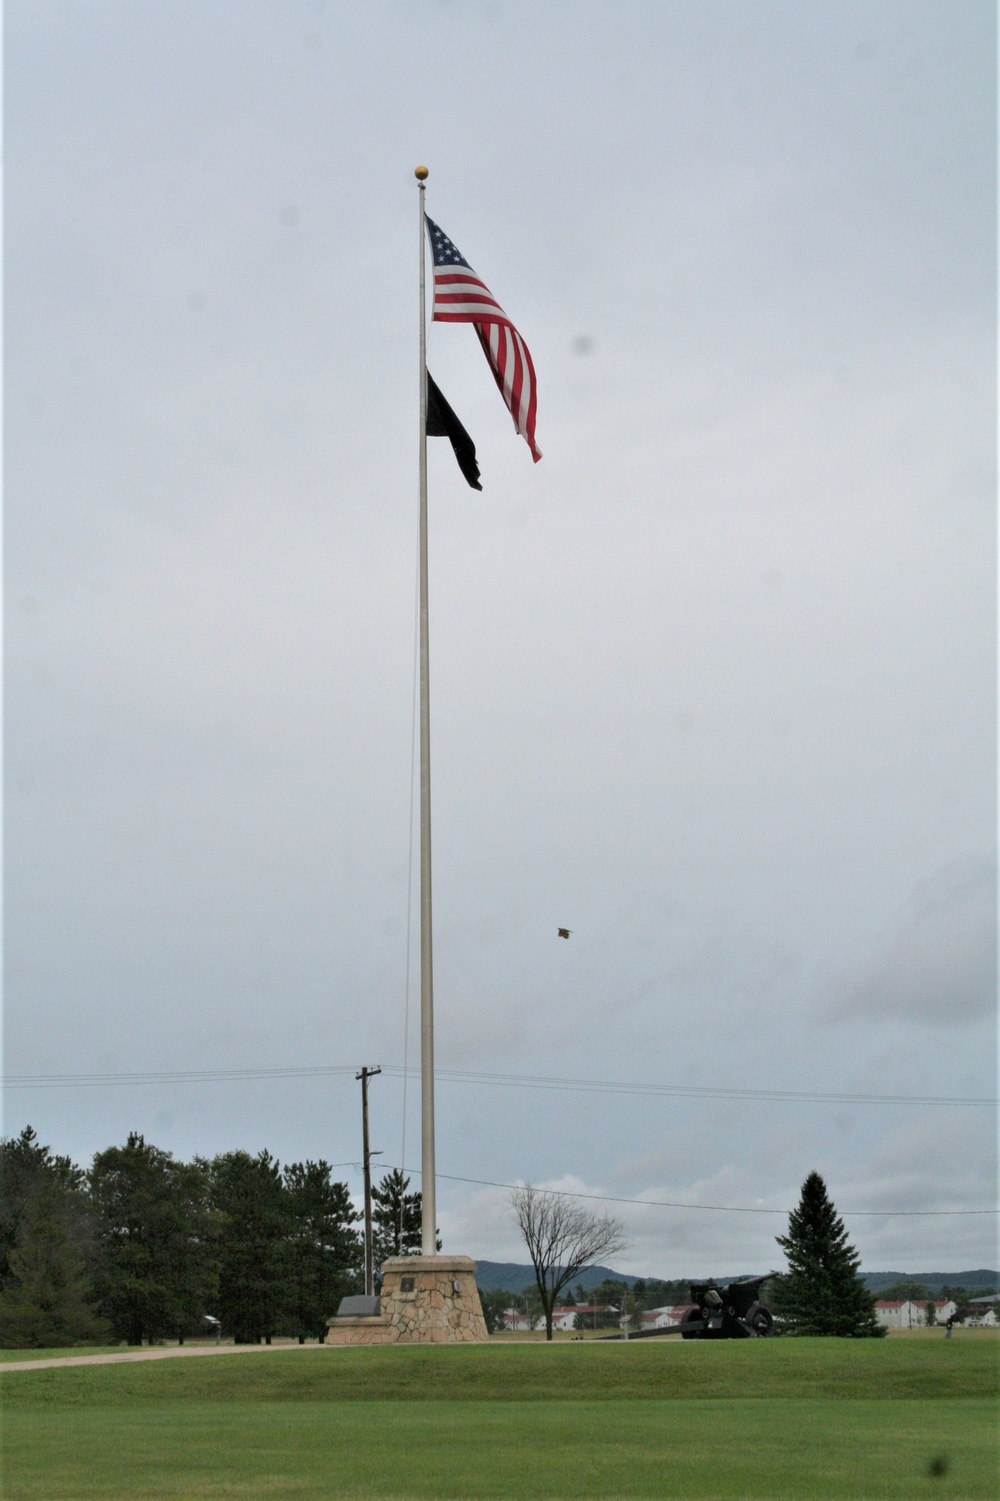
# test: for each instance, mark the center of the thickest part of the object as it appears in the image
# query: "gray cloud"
(927, 1163)
(939, 961)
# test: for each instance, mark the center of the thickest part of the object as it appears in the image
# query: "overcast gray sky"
(713, 683)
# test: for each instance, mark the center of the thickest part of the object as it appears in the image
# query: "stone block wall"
(424, 1300)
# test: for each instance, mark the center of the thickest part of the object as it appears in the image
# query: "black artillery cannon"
(731, 1312)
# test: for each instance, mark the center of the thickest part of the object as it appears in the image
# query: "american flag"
(460, 297)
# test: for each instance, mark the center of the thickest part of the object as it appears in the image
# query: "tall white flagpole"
(428, 1222)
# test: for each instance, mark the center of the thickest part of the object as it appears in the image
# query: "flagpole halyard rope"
(409, 869)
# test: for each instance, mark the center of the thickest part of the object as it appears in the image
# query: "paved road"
(126, 1355)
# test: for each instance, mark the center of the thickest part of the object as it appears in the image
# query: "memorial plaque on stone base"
(425, 1300)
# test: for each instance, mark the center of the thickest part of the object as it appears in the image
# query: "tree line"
(141, 1247)
(916, 1292)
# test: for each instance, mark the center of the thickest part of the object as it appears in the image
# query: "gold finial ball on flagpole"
(420, 173)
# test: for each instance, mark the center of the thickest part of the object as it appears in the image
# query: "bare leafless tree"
(562, 1238)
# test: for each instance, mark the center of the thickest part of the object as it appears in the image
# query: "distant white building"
(667, 1317)
(907, 1313)
(985, 1315)
(657, 1318)
(517, 1321)
(563, 1318)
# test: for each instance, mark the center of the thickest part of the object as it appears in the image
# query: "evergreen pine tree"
(494, 1304)
(25, 1166)
(821, 1293)
(396, 1218)
(324, 1249)
(249, 1196)
(48, 1300)
(156, 1277)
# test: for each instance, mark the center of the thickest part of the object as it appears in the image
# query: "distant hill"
(512, 1276)
(982, 1280)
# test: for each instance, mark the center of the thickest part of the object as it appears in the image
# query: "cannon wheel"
(690, 1317)
(760, 1320)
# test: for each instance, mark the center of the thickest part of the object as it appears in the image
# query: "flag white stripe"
(445, 284)
(477, 307)
(510, 370)
(468, 312)
(457, 277)
(521, 420)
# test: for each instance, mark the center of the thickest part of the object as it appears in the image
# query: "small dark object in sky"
(938, 1465)
(565, 932)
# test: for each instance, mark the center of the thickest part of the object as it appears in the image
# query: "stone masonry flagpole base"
(425, 1300)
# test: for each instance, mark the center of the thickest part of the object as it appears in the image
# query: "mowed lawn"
(664, 1418)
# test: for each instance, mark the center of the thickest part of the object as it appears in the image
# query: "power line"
(566, 1193)
(176, 1076)
(470, 1076)
(706, 1091)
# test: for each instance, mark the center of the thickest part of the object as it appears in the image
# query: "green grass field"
(774, 1418)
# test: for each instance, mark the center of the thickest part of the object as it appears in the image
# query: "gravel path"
(126, 1355)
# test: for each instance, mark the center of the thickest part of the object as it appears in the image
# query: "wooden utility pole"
(364, 1076)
